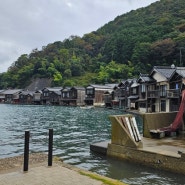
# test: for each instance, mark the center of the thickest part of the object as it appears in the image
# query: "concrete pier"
(39, 173)
(166, 153)
(100, 147)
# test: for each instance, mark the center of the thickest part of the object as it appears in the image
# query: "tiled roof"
(112, 85)
(66, 89)
(78, 88)
(52, 89)
(27, 93)
(1, 91)
(181, 71)
(101, 86)
(12, 91)
(121, 83)
(125, 83)
(135, 84)
(58, 92)
(166, 71)
(146, 78)
(130, 80)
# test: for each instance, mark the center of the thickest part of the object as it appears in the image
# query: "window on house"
(74, 93)
(8, 96)
(89, 91)
(46, 94)
(142, 105)
(65, 95)
(177, 86)
(163, 90)
(151, 87)
(163, 105)
(134, 91)
(143, 88)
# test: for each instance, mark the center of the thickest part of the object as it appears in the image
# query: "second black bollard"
(26, 150)
(50, 147)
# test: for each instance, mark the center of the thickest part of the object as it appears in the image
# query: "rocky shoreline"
(17, 162)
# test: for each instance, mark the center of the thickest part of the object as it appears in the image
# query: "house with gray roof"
(73, 96)
(95, 94)
(133, 94)
(65, 96)
(12, 95)
(51, 96)
(26, 97)
(143, 102)
(78, 96)
(37, 97)
(121, 94)
(164, 94)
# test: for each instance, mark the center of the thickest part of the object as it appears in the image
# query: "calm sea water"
(74, 130)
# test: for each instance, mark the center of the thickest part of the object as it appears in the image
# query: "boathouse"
(51, 96)
(12, 95)
(95, 94)
(26, 97)
(73, 96)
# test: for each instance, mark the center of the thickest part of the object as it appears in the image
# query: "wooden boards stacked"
(129, 123)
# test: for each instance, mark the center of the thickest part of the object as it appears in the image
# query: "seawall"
(167, 153)
(155, 121)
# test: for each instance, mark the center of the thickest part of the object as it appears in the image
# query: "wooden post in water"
(26, 150)
(50, 147)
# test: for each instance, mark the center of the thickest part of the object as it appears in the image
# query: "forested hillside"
(131, 44)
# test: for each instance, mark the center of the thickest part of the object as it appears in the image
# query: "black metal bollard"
(50, 147)
(26, 150)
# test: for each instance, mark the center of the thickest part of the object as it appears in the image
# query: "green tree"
(57, 78)
(51, 70)
(67, 73)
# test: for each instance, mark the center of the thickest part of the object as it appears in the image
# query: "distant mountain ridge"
(130, 44)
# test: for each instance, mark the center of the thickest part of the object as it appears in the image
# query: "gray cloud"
(30, 24)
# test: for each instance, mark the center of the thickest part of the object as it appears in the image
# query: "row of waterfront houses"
(72, 96)
(159, 91)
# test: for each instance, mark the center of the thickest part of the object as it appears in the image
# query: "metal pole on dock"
(50, 147)
(26, 150)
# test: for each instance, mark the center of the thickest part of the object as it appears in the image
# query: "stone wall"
(156, 120)
(165, 162)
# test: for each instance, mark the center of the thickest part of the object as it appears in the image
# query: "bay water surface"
(74, 130)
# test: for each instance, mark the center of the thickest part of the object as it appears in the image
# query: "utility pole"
(181, 63)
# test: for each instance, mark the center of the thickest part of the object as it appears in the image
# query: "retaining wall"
(156, 120)
(159, 161)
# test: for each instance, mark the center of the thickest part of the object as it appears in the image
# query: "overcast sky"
(29, 24)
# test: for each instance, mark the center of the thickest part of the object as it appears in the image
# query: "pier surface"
(171, 146)
(39, 173)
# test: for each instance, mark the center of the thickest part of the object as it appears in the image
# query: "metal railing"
(171, 93)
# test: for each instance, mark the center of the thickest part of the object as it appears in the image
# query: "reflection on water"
(74, 130)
